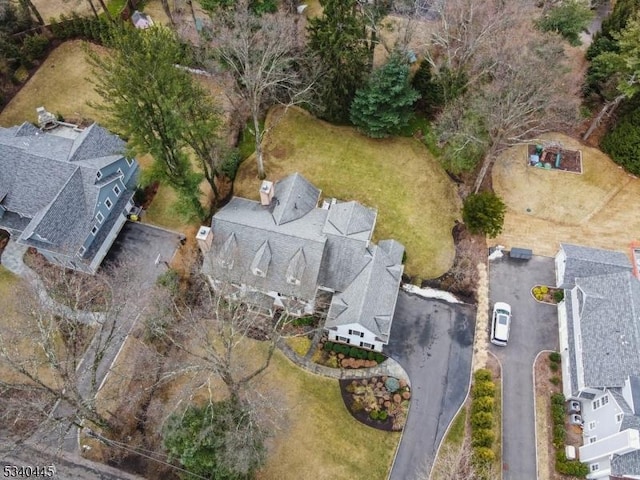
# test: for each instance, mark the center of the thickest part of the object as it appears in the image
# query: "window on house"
(99, 175)
(94, 230)
(605, 400)
(116, 190)
(356, 333)
(342, 339)
(129, 161)
(99, 217)
(594, 467)
(366, 345)
(108, 203)
(81, 250)
(592, 425)
(619, 417)
(595, 404)
(593, 439)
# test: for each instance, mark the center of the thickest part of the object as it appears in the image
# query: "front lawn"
(417, 203)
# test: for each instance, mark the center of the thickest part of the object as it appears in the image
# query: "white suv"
(501, 324)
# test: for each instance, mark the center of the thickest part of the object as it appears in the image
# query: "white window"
(356, 333)
(619, 417)
(592, 425)
(593, 439)
(595, 404)
(605, 400)
(342, 339)
(99, 217)
(129, 161)
(94, 230)
(99, 175)
(366, 345)
(594, 467)
(108, 203)
(116, 190)
(81, 250)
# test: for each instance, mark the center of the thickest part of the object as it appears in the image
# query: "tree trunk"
(258, 138)
(167, 10)
(486, 163)
(93, 7)
(106, 10)
(607, 109)
(28, 4)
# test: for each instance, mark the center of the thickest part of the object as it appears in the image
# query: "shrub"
(371, 355)
(34, 47)
(568, 19)
(170, 280)
(383, 415)
(558, 296)
(362, 354)
(353, 352)
(544, 289)
(557, 413)
(482, 420)
(570, 467)
(344, 348)
(557, 399)
(555, 380)
(555, 357)
(332, 362)
(483, 404)
(483, 456)
(231, 163)
(379, 357)
(554, 366)
(482, 438)
(374, 415)
(622, 142)
(302, 321)
(337, 347)
(328, 346)
(392, 384)
(483, 213)
(483, 389)
(483, 375)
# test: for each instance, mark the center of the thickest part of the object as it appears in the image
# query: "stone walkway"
(389, 367)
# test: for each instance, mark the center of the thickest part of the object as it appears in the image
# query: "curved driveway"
(433, 341)
(534, 328)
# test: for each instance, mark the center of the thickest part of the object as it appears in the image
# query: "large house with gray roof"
(599, 325)
(286, 253)
(65, 191)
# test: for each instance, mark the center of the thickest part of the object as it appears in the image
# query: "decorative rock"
(397, 398)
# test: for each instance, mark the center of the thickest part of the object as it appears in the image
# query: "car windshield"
(502, 319)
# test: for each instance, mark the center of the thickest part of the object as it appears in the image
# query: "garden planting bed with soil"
(341, 355)
(379, 402)
(546, 294)
(570, 160)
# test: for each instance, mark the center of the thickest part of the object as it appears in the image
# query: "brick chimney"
(266, 193)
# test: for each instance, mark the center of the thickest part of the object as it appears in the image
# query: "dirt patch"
(555, 157)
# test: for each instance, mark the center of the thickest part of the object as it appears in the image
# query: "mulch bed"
(571, 160)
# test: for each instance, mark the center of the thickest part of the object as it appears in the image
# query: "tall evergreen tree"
(431, 94)
(338, 39)
(384, 106)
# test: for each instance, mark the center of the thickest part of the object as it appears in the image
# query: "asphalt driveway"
(149, 246)
(534, 328)
(433, 341)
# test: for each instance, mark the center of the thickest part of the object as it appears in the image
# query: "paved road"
(433, 341)
(534, 328)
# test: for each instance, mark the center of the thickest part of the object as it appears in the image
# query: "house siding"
(356, 340)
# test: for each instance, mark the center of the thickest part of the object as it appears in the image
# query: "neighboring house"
(599, 325)
(64, 190)
(286, 253)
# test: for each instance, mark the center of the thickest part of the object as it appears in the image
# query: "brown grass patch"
(594, 209)
(60, 85)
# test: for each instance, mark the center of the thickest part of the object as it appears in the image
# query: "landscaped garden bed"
(341, 355)
(380, 402)
(554, 157)
(546, 294)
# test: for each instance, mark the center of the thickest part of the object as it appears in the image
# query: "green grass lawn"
(417, 203)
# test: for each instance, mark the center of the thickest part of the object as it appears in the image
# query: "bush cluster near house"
(483, 419)
(342, 355)
(383, 400)
(558, 415)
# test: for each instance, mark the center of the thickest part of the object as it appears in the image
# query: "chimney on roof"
(204, 239)
(266, 193)
(46, 120)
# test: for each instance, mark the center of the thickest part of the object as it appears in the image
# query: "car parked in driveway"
(501, 324)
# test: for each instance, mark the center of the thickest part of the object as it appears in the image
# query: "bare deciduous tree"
(59, 355)
(265, 56)
(455, 462)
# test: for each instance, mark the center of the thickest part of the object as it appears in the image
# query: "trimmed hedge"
(483, 404)
(482, 420)
(483, 389)
(482, 437)
(564, 466)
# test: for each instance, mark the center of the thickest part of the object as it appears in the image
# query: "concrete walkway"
(389, 367)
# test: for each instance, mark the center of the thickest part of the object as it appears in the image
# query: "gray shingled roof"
(634, 381)
(251, 225)
(343, 260)
(587, 262)
(610, 328)
(394, 249)
(350, 219)
(50, 179)
(294, 197)
(573, 369)
(628, 464)
(630, 420)
(370, 300)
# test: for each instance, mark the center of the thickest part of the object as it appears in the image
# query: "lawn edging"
(535, 411)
